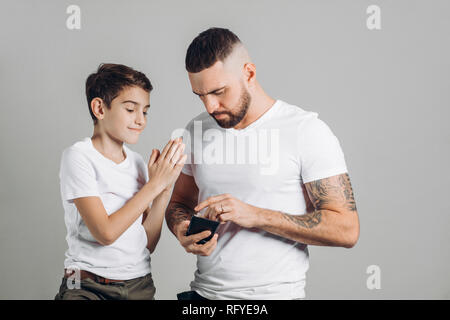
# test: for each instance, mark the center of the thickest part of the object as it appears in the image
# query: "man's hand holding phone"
(191, 242)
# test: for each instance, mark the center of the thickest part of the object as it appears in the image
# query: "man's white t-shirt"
(85, 172)
(264, 165)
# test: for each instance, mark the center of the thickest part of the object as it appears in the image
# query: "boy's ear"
(98, 108)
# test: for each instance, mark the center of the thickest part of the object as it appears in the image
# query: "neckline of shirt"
(100, 155)
(266, 115)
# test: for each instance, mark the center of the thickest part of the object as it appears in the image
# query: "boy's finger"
(182, 161)
(153, 157)
(166, 148)
(178, 154)
(173, 149)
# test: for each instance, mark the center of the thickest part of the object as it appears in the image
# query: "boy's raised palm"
(165, 166)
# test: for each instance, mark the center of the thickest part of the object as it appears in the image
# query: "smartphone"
(198, 225)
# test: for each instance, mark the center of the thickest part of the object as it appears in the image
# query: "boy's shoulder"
(78, 149)
(84, 150)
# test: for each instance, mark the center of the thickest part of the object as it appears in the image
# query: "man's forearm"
(319, 227)
(177, 212)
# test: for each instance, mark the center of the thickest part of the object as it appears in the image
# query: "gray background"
(385, 94)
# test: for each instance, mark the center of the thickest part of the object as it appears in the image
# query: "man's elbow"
(352, 236)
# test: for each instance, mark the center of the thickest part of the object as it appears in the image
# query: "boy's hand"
(167, 189)
(165, 167)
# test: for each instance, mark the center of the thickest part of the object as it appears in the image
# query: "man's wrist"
(261, 218)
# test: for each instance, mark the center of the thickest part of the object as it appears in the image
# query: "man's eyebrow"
(135, 103)
(213, 91)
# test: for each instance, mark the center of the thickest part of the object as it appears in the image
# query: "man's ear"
(250, 74)
(98, 108)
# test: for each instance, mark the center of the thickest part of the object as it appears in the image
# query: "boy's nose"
(140, 119)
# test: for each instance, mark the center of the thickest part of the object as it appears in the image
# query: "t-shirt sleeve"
(77, 176)
(321, 155)
(188, 141)
(142, 168)
(187, 168)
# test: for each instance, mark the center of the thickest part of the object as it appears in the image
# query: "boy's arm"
(153, 219)
(106, 229)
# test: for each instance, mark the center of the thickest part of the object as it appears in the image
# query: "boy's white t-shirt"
(85, 172)
(264, 165)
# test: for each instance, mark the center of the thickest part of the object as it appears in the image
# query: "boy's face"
(127, 116)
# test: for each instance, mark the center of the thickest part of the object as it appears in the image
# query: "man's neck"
(259, 105)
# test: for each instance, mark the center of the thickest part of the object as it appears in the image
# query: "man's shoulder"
(295, 115)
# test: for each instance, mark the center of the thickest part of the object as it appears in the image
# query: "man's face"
(127, 116)
(223, 93)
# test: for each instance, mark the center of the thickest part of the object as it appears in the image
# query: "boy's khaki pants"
(88, 289)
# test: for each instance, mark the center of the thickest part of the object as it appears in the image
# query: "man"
(271, 204)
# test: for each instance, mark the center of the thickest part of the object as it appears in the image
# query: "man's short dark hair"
(210, 46)
(109, 80)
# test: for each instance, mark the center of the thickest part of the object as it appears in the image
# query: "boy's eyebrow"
(135, 103)
(213, 91)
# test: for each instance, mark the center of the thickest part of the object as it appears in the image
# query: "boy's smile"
(127, 116)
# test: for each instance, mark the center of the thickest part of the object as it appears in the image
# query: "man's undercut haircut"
(210, 46)
(109, 80)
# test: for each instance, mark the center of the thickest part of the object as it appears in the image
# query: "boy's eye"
(145, 113)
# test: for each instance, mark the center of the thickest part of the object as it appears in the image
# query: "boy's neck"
(108, 147)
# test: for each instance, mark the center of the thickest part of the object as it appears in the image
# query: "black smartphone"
(198, 225)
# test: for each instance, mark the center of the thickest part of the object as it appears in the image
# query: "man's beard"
(234, 118)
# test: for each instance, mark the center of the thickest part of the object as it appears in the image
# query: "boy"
(106, 190)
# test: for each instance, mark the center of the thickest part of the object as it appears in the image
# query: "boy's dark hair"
(109, 80)
(210, 46)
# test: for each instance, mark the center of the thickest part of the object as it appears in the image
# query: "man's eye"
(219, 93)
(145, 113)
(129, 110)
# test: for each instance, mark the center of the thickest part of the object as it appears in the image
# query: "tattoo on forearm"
(309, 220)
(337, 189)
(177, 212)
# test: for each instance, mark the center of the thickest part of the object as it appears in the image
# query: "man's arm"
(333, 221)
(179, 213)
(181, 205)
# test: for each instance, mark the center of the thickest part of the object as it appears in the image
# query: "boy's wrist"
(154, 186)
(163, 196)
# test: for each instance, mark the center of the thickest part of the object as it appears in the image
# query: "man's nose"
(211, 103)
